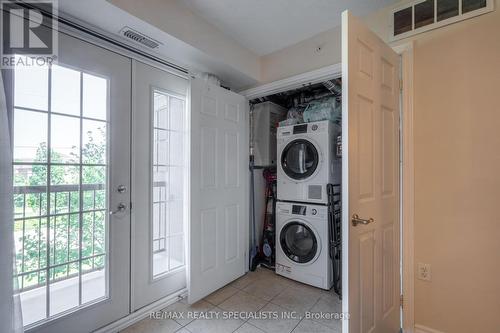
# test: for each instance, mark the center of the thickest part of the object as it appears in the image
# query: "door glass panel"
(94, 142)
(168, 183)
(31, 87)
(298, 242)
(65, 139)
(30, 136)
(299, 159)
(60, 190)
(95, 97)
(65, 90)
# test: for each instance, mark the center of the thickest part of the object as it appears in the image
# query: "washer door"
(299, 159)
(298, 242)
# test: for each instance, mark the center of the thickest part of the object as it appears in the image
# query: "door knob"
(121, 188)
(120, 208)
(356, 220)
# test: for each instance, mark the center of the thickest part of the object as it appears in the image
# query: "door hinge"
(401, 301)
(400, 85)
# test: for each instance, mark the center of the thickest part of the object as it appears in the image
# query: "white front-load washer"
(302, 244)
(307, 161)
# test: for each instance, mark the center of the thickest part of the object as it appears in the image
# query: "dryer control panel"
(297, 209)
(311, 128)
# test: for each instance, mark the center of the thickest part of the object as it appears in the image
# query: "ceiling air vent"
(136, 36)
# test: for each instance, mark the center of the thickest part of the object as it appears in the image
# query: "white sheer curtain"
(10, 305)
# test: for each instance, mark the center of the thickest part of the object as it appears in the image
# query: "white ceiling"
(265, 26)
(109, 20)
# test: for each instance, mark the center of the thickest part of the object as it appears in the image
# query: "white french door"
(219, 217)
(71, 156)
(160, 181)
(370, 105)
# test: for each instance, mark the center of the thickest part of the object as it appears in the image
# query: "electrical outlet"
(424, 271)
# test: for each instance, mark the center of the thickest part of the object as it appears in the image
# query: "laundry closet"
(296, 175)
(330, 227)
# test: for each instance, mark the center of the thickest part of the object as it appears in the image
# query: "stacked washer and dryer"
(308, 160)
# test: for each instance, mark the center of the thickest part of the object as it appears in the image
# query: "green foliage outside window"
(64, 227)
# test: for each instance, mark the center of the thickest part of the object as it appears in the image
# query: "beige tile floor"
(261, 292)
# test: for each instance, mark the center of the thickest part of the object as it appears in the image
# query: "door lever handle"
(120, 208)
(356, 220)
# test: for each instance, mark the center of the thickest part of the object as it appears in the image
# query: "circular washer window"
(299, 159)
(298, 242)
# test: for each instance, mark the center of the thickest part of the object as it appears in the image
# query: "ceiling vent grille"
(423, 15)
(137, 37)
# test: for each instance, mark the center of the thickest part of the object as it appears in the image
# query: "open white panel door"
(218, 235)
(370, 72)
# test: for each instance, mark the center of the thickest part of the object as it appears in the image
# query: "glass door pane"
(158, 179)
(168, 183)
(60, 190)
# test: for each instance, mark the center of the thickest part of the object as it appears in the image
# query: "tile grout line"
(267, 302)
(297, 325)
(256, 327)
(303, 317)
(317, 321)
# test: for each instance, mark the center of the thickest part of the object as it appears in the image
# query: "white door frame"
(408, 185)
(114, 145)
(407, 168)
(294, 82)
(144, 287)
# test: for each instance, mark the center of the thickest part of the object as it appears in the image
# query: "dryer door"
(299, 242)
(299, 159)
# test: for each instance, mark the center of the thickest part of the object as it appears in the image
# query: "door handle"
(356, 220)
(120, 208)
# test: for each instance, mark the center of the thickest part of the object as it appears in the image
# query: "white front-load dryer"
(302, 250)
(307, 161)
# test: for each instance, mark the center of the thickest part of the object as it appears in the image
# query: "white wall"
(457, 187)
(302, 57)
(179, 22)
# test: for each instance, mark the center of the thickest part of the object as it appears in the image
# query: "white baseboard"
(424, 329)
(142, 313)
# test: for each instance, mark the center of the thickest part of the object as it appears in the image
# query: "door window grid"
(167, 205)
(63, 238)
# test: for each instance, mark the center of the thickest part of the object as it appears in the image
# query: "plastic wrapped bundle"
(324, 109)
(294, 116)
